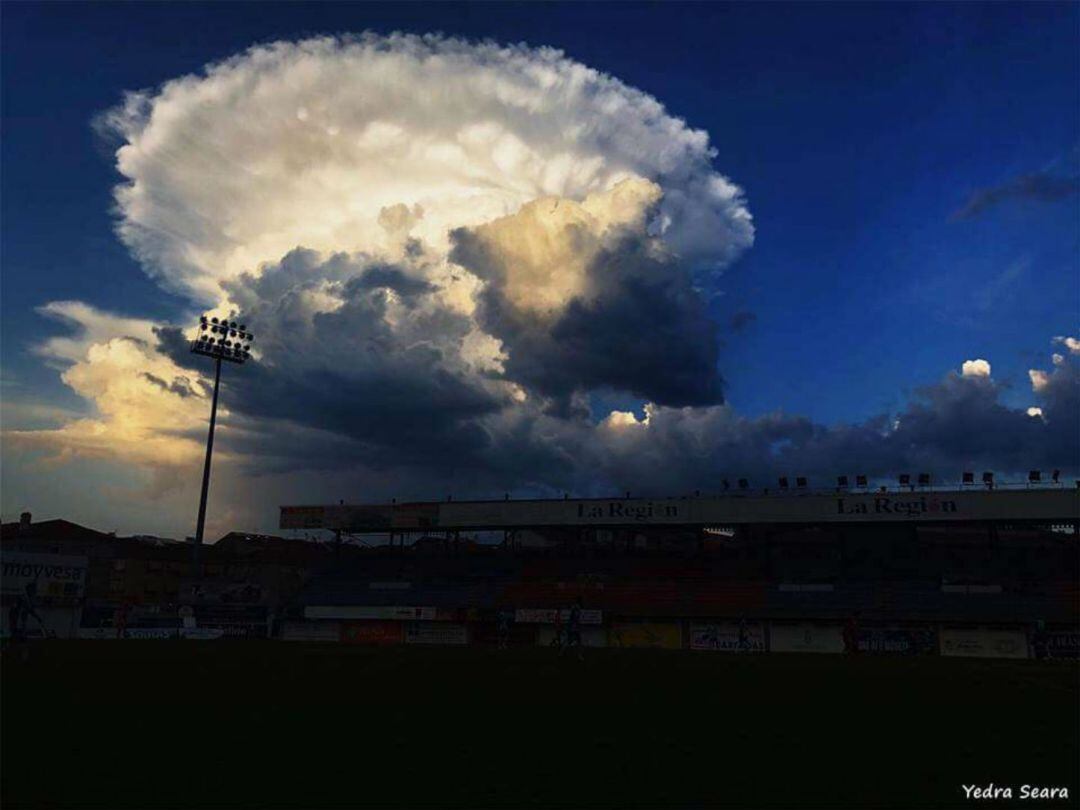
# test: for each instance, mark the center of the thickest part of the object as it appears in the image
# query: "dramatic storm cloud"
(305, 144)
(448, 250)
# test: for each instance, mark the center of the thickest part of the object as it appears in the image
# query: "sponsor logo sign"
(435, 633)
(897, 640)
(816, 638)
(399, 612)
(728, 637)
(547, 616)
(234, 621)
(218, 592)
(1062, 643)
(590, 636)
(659, 635)
(311, 631)
(55, 576)
(152, 633)
(897, 506)
(629, 511)
(980, 643)
(379, 633)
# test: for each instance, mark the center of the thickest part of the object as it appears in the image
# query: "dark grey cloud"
(1038, 187)
(380, 369)
(956, 425)
(360, 372)
(181, 386)
(640, 327)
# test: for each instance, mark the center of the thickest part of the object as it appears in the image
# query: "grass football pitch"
(152, 724)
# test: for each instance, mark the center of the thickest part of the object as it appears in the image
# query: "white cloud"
(112, 363)
(89, 326)
(1035, 411)
(546, 248)
(975, 368)
(1039, 379)
(618, 420)
(310, 143)
(373, 148)
(1071, 343)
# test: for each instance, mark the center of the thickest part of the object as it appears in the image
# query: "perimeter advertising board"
(151, 633)
(221, 592)
(658, 635)
(980, 643)
(435, 633)
(590, 636)
(804, 638)
(1062, 643)
(897, 640)
(547, 616)
(728, 636)
(398, 612)
(379, 633)
(234, 621)
(311, 631)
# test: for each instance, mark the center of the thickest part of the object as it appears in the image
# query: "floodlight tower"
(219, 339)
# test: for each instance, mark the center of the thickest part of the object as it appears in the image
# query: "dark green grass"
(261, 724)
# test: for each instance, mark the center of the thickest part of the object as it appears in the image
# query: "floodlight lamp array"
(224, 339)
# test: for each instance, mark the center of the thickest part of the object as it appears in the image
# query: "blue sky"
(858, 133)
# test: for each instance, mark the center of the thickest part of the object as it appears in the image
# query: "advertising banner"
(143, 633)
(543, 616)
(234, 621)
(1062, 643)
(221, 592)
(371, 632)
(99, 633)
(151, 633)
(435, 633)
(815, 638)
(728, 636)
(658, 635)
(311, 631)
(590, 636)
(897, 640)
(895, 506)
(55, 577)
(979, 643)
(400, 613)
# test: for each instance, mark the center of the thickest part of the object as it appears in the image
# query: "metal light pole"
(218, 339)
